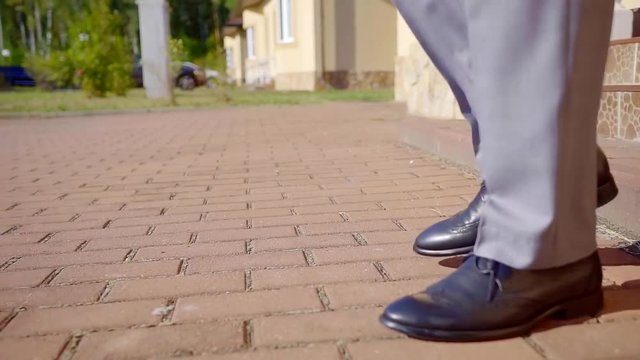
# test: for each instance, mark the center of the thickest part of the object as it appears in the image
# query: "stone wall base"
(357, 80)
(619, 115)
(310, 81)
(422, 87)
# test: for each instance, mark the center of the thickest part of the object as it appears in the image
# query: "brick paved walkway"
(270, 233)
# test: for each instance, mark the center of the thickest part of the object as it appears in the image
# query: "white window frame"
(285, 21)
(251, 43)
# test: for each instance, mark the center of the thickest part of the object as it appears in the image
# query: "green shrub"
(98, 58)
(57, 71)
(100, 52)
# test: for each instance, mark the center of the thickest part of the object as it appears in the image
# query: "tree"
(199, 23)
(40, 27)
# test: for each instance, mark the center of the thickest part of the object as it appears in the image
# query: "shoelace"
(493, 280)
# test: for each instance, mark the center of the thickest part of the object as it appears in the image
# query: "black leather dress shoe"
(487, 300)
(457, 235)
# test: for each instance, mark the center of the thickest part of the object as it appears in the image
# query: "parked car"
(213, 78)
(189, 77)
(16, 76)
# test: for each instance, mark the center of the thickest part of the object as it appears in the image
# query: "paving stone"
(277, 231)
(289, 203)
(100, 233)
(248, 214)
(74, 274)
(421, 213)
(244, 262)
(138, 242)
(362, 253)
(191, 309)
(248, 234)
(155, 220)
(20, 239)
(303, 242)
(77, 258)
(201, 209)
(190, 251)
(36, 249)
(335, 208)
(420, 267)
(625, 276)
(88, 317)
(50, 296)
(40, 348)
(373, 293)
(387, 237)
(26, 278)
(296, 220)
(309, 352)
(63, 226)
(621, 305)
(176, 286)
(324, 326)
(418, 350)
(348, 227)
(590, 341)
(313, 275)
(161, 341)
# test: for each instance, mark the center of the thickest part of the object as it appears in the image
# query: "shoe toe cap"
(444, 236)
(418, 310)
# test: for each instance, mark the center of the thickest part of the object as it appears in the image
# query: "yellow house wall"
(375, 24)
(338, 43)
(359, 35)
(260, 69)
(339, 35)
(235, 43)
(255, 19)
(297, 63)
(328, 34)
(269, 14)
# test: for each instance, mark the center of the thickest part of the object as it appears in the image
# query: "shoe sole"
(606, 193)
(589, 305)
(443, 253)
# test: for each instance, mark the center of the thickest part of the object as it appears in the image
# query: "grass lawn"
(30, 101)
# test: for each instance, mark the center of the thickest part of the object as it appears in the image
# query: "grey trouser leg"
(534, 87)
(443, 34)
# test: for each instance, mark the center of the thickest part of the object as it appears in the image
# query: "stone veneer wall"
(426, 92)
(310, 81)
(357, 80)
(303, 81)
(422, 87)
(619, 115)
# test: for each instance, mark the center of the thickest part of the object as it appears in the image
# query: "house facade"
(315, 44)
(235, 45)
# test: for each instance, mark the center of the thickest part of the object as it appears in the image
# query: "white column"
(154, 38)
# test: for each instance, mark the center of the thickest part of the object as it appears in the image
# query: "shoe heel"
(587, 306)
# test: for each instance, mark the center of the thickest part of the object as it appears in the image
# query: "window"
(251, 44)
(285, 21)
(229, 53)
